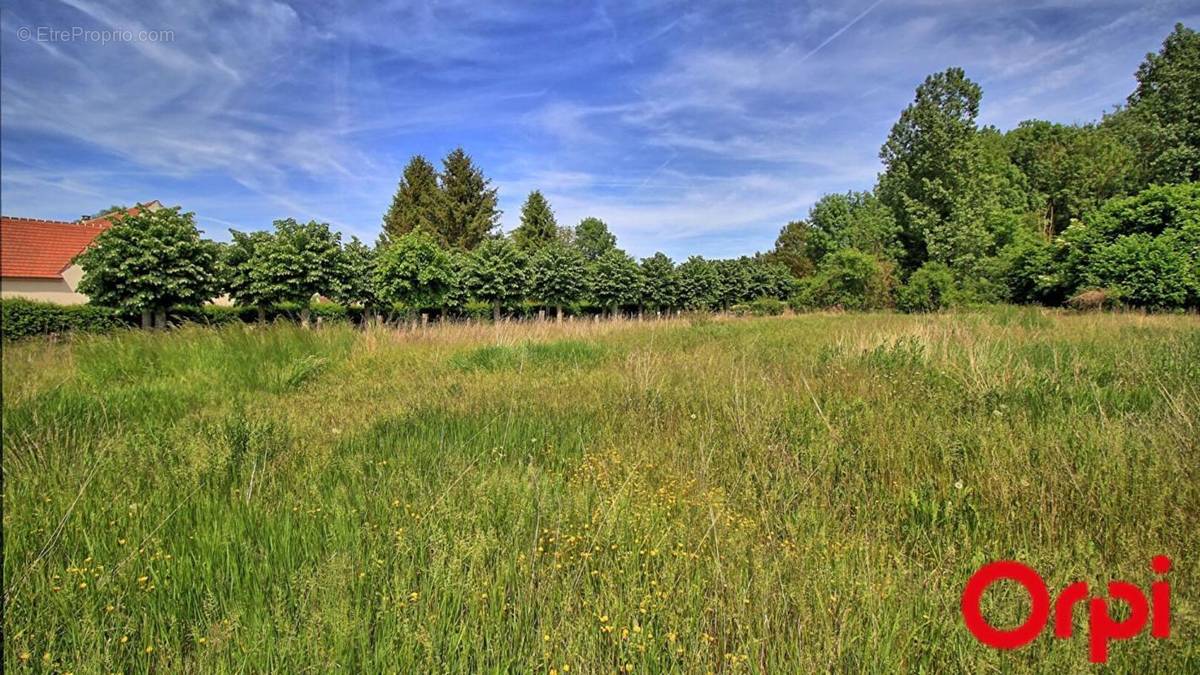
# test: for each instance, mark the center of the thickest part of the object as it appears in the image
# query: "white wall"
(57, 291)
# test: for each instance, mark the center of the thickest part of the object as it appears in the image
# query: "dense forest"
(1103, 214)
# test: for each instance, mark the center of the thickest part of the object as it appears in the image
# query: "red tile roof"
(42, 249)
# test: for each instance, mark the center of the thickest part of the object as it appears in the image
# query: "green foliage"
(847, 279)
(358, 286)
(150, 261)
(20, 318)
(558, 275)
(734, 281)
(929, 289)
(239, 259)
(699, 284)
(414, 272)
(1144, 249)
(1164, 110)
(297, 262)
(496, 273)
(417, 204)
(792, 249)
(767, 306)
(660, 287)
(1152, 211)
(538, 226)
(771, 279)
(929, 160)
(1031, 273)
(593, 239)
(467, 213)
(1160, 272)
(853, 220)
(616, 280)
(1070, 169)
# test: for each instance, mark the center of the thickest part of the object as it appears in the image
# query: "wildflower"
(124, 639)
(202, 640)
(25, 656)
(958, 484)
(149, 649)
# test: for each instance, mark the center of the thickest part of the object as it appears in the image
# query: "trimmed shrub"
(20, 318)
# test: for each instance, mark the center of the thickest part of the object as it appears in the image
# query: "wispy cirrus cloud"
(693, 128)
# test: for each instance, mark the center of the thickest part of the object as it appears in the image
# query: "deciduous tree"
(593, 238)
(495, 272)
(149, 263)
(558, 276)
(299, 261)
(414, 272)
(616, 280)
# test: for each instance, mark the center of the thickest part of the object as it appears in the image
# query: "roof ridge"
(43, 220)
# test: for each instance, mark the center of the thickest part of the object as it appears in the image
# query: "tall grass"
(772, 495)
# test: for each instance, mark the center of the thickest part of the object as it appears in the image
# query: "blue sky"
(689, 127)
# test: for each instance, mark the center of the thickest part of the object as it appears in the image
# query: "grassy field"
(791, 494)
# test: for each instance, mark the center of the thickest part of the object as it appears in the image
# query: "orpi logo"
(1103, 627)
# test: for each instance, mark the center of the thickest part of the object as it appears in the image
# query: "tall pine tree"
(538, 226)
(467, 213)
(417, 203)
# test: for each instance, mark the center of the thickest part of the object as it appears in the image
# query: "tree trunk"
(262, 314)
(558, 313)
(305, 314)
(147, 319)
(496, 311)
(542, 314)
(424, 320)
(160, 319)
(614, 310)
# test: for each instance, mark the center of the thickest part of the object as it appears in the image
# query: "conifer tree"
(417, 203)
(538, 226)
(467, 213)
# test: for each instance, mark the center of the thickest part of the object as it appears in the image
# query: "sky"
(689, 127)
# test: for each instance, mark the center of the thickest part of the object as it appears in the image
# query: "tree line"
(1091, 214)
(154, 261)
(1099, 213)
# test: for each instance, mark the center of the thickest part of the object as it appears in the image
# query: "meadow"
(786, 494)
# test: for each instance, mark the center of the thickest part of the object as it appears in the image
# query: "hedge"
(21, 318)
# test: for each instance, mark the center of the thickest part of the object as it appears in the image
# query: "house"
(36, 254)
